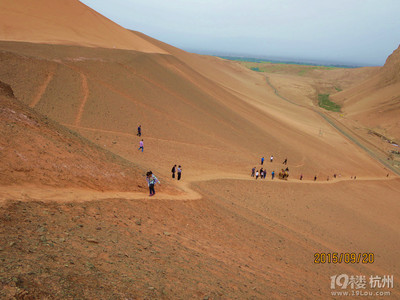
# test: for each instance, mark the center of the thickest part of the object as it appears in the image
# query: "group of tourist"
(177, 170)
(262, 173)
(283, 174)
(150, 177)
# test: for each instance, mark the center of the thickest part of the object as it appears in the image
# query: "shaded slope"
(65, 22)
(37, 151)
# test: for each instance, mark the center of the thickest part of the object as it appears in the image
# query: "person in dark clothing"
(301, 177)
(173, 171)
(139, 130)
(285, 161)
(315, 178)
(179, 172)
(253, 172)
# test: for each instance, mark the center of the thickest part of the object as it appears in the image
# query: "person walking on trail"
(272, 175)
(253, 172)
(179, 172)
(139, 130)
(272, 158)
(315, 178)
(262, 160)
(256, 174)
(261, 173)
(265, 173)
(141, 145)
(151, 181)
(173, 171)
(301, 177)
(285, 161)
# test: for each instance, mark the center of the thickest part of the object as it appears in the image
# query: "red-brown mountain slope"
(376, 101)
(37, 151)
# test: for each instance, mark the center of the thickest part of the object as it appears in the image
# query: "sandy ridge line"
(43, 87)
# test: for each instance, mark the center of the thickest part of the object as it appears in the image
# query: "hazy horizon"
(358, 32)
(273, 58)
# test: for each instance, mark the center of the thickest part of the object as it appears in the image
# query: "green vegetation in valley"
(338, 89)
(282, 68)
(324, 102)
(285, 62)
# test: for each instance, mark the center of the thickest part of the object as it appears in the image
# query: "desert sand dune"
(76, 218)
(65, 22)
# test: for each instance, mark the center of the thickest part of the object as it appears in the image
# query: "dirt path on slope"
(376, 154)
(43, 87)
(53, 194)
(85, 96)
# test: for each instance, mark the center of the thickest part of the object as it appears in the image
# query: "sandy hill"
(226, 235)
(202, 112)
(37, 151)
(67, 22)
(376, 101)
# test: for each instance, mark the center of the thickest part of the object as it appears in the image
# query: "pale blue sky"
(361, 32)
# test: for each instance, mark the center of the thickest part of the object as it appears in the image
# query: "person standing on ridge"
(173, 171)
(141, 145)
(272, 158)
(139, 130)
(151, 181)
(262, 160)
(179, 172)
